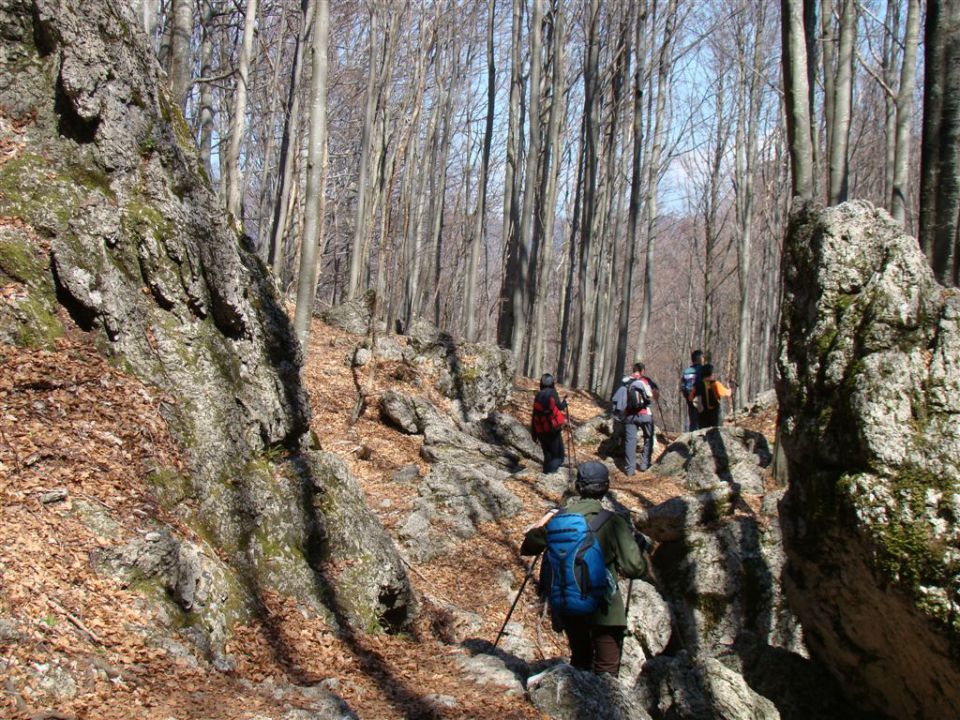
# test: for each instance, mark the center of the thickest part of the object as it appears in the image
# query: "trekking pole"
(516, 600)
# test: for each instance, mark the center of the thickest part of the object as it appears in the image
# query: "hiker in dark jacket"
(638, 420)
(596, 640)
(710, 391)
(546, 425)
(689, 381)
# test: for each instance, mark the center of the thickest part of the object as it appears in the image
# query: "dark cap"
(593, 478)
(546, 381)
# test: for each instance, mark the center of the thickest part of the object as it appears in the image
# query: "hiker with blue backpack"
(689, 382)
(584, 547)
(547, 421)
(633, 406)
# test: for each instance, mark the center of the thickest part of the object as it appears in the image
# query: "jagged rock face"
(117, 223)
(869, 393)
(566, 693)
(711, 458)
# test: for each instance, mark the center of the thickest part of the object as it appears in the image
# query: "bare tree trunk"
(206, 89)
(511, 238)
(316, 162)
(901, 173)
(636, 180)
(289, 144)
(842, 104)
(711, 228)
(521, 289)
(797, 96)
(653, 182)
(891, 32)
(232, 179)
(940, 150)
(587, 269)
(357, 259)
(748, 113)
(150, 11)
(479, 220)
(569, 329)
(180, 61)
(547, 206)
(828, 60)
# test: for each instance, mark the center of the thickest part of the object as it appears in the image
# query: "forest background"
(587, 183)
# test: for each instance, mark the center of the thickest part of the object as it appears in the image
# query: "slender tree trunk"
(748, 112)
(510, 232)
(828, 60)
(547, 204)
(289, 144)
(901, 173)
(357, 259)
(569, 329)
(232, 177)
(891, 32)
(940, 151)
(150, 11)
(180, 61)
(206, 88)
(316, 161)
(587, 266)
(636, 180)
(479, 220)
(797, 96)
(521, 289)
(653, 182)
(842, 105)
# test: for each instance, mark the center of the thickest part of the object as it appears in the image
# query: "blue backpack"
(688, 381)
(573, 575)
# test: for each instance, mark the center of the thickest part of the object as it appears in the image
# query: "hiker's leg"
(630, 447)
(694, 417)
(581, 643)
(646, 428)
(607, 645)
(556, 452)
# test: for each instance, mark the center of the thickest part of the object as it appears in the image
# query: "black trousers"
(593, 647)
(552, 444)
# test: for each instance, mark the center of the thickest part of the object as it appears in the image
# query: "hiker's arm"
(534, 542)
(630, 560)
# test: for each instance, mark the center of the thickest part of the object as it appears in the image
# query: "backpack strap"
(599, 519)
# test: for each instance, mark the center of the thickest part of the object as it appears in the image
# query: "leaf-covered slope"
(108, 217)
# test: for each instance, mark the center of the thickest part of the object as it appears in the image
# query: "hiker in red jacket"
(546, 425)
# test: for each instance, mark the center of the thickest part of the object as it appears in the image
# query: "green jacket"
(620, 553)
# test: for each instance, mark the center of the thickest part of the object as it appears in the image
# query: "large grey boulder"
(649, 626)
(369, 582)
(477, 377)
(709, 458)
(723, 587)
(565, 693)
(453, 499)
(352, 315)
(674, 518)
(504, 429)
(869, 395)
(705, 689)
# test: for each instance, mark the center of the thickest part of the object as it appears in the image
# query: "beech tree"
(940, 154)
(316, 156)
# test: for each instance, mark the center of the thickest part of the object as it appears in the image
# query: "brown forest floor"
(68, 419)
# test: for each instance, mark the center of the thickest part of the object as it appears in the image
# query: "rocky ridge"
(869, 393)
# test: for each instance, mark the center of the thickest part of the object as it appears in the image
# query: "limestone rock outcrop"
(112, 221)
(869, 395)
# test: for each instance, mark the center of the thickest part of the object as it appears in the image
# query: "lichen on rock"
(869, 392)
